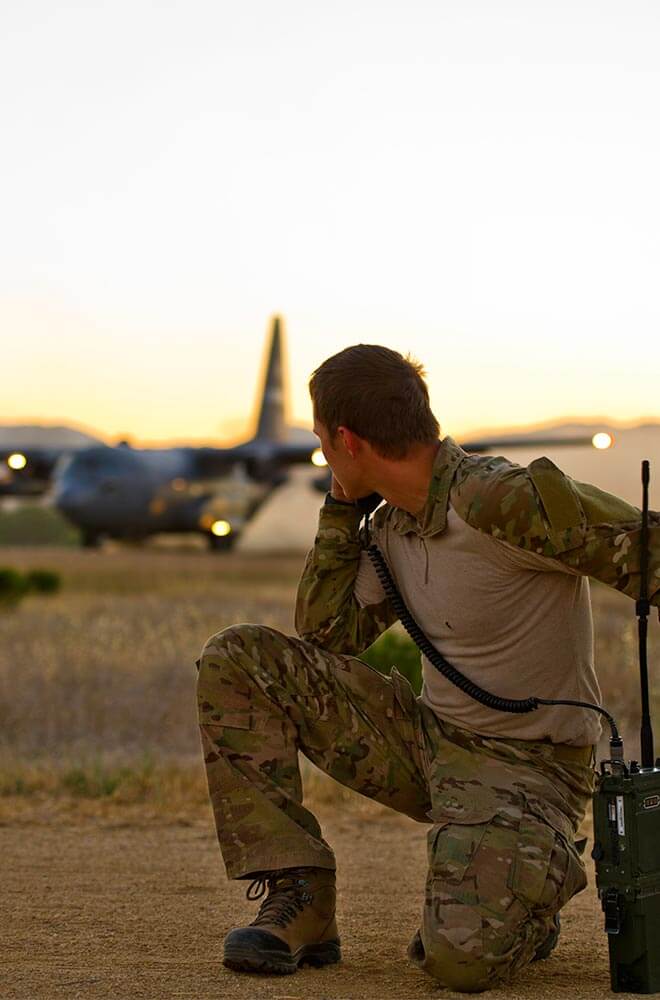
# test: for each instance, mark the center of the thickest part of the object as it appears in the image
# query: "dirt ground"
(111, 881)
(126, 906)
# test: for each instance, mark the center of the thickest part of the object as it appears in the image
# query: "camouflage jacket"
(537, 508)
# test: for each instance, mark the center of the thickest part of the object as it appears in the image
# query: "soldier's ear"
(353, 443)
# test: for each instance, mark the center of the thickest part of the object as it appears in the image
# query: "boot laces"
(287, 896)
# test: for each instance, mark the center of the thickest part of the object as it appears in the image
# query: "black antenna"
(642, 609)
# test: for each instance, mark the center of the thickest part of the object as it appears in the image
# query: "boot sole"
(245, 959)
(546, 948)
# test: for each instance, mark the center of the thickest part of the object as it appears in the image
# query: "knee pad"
(464, 971)
(243, 646)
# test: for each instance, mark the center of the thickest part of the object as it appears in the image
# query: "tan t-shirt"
(516, 623)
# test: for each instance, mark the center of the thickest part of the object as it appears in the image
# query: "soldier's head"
(370, 402)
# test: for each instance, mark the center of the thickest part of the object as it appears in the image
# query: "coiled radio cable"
(434, 656)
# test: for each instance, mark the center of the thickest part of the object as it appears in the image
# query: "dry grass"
(106, 667)
(97, 683)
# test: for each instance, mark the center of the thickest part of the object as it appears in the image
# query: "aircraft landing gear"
(90, 540)
(223, 543)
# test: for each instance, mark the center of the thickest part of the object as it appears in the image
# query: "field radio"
(627, 832)
(626, 802)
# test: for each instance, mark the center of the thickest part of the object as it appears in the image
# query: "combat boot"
(550, 943)
(295, 924)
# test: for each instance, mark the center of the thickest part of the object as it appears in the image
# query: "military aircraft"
(129, 493)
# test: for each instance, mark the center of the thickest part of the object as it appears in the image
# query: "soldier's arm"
(340, 605)
(542, 510)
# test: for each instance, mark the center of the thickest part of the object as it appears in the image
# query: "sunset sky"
(474, 182)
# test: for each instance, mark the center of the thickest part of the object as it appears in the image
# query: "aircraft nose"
(69, 500)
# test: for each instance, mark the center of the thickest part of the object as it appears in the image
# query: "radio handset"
(367, 505)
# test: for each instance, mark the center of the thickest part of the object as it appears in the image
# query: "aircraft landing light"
(17, 461)
(221, 528)
(318, 459)
(602, 440)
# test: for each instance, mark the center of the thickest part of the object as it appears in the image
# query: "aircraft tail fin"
(271, 421)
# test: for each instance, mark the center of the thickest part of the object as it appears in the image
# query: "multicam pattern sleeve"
(542, 510)
(338, 608)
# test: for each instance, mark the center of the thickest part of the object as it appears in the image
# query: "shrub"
(43, 581)
(13, 586)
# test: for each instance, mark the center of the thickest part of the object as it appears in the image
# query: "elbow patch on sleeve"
(605, 508)
(562, 510)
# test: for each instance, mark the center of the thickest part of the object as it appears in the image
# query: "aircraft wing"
(289, 454)
(528, 441)
(294, 453)
(601, 440)
(259, 458)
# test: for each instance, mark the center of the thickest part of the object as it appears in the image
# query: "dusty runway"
(124, 907)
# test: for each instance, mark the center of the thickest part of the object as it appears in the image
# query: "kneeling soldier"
(492, 559)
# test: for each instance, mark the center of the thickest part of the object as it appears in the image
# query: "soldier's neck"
(405, 483)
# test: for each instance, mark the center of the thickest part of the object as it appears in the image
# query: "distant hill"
(38, 436)
(566, 428)
(294, 435)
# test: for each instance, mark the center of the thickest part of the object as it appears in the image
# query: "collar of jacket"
(433, 518)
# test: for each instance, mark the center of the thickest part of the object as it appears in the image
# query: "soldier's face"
(346, 468)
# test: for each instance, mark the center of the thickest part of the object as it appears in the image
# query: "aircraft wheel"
(220, 544)
(90, 540)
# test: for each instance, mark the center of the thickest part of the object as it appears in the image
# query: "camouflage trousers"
(502, 813)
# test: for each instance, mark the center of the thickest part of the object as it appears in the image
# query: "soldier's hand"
(337, 492)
